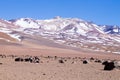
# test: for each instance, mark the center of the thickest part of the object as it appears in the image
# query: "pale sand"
(50, 69)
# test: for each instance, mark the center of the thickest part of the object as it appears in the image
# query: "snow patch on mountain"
(68, 31)
(26, 23)
(8, 32)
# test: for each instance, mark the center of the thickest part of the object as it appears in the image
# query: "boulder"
(109, 65)
(85, 61)
(61, 61)
(28, 60)
(18, 59)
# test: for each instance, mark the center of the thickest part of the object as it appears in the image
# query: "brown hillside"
(7, 37)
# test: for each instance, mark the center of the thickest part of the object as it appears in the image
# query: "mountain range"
(71, 32)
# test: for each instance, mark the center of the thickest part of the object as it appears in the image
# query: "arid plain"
(49, 67)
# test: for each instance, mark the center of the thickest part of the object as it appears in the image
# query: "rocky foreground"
(26, 67)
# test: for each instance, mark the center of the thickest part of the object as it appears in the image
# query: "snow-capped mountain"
(72, 32)
(25, 23)
(7, 30)
(68, 25)
(111, 29)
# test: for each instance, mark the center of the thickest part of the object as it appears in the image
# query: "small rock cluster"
(108, 64)
(34, 59)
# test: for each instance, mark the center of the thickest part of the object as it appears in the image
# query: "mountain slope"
(72, 32)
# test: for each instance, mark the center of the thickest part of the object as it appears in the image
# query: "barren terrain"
(49, 67)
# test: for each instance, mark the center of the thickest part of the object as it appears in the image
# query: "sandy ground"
(50, 68)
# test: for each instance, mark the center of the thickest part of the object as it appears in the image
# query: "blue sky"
(98, 11)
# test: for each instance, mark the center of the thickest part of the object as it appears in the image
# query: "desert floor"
(49, 68)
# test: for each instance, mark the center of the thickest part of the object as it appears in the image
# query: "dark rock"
(28, 60)
(37, 62)
(61, 61)
(98, 61)
(44, 74)
(49, 57)
(2, 56)
(74, 62)
(65, 60)
(92, 58)
(85, 62)
(18, 59)
(56, 57)
(35, 59)
(109, 66)
(105, 62)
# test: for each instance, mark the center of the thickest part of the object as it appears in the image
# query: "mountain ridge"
(72, 32)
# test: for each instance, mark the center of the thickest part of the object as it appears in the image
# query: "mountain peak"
(68, 31)
(57, 17)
